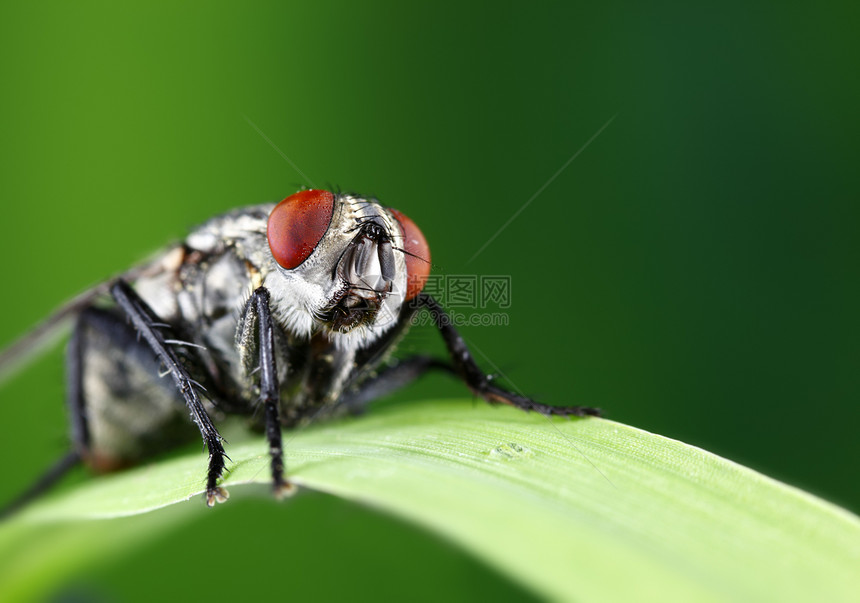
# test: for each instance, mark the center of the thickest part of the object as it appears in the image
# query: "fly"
(288, 308)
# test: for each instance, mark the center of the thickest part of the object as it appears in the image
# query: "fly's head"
(343, 265)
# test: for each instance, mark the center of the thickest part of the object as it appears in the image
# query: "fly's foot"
(283, 488)
(217, 494)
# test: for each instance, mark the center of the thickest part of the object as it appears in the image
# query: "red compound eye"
(417, 254)
(297, 224)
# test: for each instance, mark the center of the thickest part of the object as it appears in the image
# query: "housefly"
(281, 313)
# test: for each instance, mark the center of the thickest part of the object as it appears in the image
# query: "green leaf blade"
(573, 509)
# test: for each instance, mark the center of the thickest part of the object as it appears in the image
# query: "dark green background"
(693, 271)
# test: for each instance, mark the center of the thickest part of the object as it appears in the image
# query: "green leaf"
(573, 509)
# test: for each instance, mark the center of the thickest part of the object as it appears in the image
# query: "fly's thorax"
(200, 287)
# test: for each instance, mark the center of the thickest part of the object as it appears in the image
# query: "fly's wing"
(31, 345)
(54, 328)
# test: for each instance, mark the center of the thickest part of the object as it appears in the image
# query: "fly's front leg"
(391, 379)
(260, 342)
(479, 382)
(151, 329)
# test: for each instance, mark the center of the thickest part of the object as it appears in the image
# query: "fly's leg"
(121, 412)
(391, 379)
(259, 344)
(79, 435)
(365, 386)
(43, 484)
(151, 329)
(479, 382)
(75, 386)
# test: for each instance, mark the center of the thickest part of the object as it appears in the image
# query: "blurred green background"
(693, 271)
